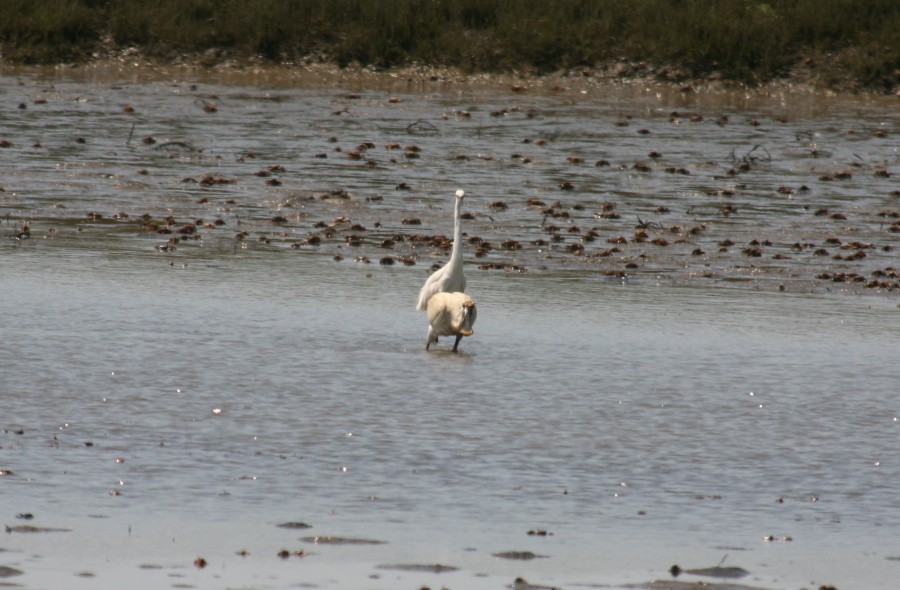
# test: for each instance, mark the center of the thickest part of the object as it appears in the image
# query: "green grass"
(850, 43)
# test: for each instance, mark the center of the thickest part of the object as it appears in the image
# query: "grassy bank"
(847, 43)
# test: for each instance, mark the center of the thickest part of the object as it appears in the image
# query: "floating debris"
(712, 572)
(521, 555)
(435, 568)
(294, 525)
(27, 528)
(327, 540)
(522, 584)
(9, 572)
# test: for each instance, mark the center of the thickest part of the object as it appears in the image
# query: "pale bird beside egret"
(450, 314)
(448, 278)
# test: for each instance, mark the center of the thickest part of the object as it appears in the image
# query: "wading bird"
(448, 278)
(450, 314)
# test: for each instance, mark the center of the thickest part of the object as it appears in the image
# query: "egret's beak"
(469, 314)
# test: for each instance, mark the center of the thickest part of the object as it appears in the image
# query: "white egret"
(450, 314)
(448, 278)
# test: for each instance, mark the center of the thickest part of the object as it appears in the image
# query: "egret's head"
(460, 194)
(469, 314)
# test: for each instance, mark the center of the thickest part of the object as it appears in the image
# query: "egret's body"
(448, 278)
(450, 314)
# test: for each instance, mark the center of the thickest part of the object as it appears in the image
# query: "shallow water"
(162, 406)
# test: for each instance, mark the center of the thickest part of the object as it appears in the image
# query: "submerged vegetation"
(845, 43)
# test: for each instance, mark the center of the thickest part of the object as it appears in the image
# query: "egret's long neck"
(456, 253)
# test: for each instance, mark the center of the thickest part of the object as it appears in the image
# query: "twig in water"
(646, 224)
(172, 145)
(423, 127)
(749, 160)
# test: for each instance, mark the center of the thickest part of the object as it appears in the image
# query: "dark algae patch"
(9, 572)
(682, 585)
(520, 555)
(432, 568)
(294, 525)
(27, 528)
(523, 584)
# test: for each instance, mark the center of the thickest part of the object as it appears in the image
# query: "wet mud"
(782, 191)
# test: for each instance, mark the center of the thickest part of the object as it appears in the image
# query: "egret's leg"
(456, 344)
(431, 338)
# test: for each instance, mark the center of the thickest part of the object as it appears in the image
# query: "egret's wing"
(432, 285)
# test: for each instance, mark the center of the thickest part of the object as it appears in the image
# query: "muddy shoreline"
(229, 67)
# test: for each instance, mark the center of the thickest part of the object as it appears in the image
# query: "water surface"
(162, 406)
